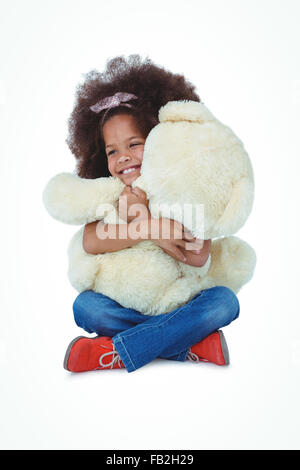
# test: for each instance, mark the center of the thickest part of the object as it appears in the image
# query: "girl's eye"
(131, 145)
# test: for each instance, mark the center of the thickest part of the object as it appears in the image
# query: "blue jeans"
(141, 338)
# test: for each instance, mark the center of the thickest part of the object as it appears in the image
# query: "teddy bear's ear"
(74, 200)
(238, 208)
(185, 111)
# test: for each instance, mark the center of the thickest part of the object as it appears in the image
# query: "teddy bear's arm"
(78, 201)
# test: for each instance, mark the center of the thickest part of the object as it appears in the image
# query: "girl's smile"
(124, 145)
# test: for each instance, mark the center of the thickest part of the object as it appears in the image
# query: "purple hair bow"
(109, 102)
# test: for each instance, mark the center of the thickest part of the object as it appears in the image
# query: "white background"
(243, 57)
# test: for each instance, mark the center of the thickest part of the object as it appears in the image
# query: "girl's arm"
(180, 239)
(198, 260)
(99, 238)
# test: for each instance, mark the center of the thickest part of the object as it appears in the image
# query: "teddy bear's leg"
(232, 264)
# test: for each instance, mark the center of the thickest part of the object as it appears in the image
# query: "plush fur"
(189, 158)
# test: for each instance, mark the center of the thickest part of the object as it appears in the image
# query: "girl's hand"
(174, 238)
(133, 202)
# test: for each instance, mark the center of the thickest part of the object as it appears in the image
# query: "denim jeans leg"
(98, 313)
(171, 335)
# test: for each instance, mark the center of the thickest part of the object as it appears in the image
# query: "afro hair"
(154, 87)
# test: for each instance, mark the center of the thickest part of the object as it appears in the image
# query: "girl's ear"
(74, 200)
(185, 111)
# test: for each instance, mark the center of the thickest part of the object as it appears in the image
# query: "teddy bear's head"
(194, 162)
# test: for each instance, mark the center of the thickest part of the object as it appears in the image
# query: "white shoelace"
(115, 358)
(194, 358)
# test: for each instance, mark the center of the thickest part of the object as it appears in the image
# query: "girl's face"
(124, 146)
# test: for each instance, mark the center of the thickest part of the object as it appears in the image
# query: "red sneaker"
(85, 354)
(213, 348)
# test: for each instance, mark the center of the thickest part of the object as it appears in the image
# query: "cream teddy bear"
(191, 160)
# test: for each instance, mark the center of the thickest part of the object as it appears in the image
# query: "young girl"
(113, 116)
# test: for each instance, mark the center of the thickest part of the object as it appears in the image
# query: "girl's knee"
(80, 309)
(218, 306)
(228, 302)
(94, 313)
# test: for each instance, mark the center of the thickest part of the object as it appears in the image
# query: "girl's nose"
(123, 158)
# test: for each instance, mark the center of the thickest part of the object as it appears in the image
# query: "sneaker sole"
(69, 350)
(224, 347)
